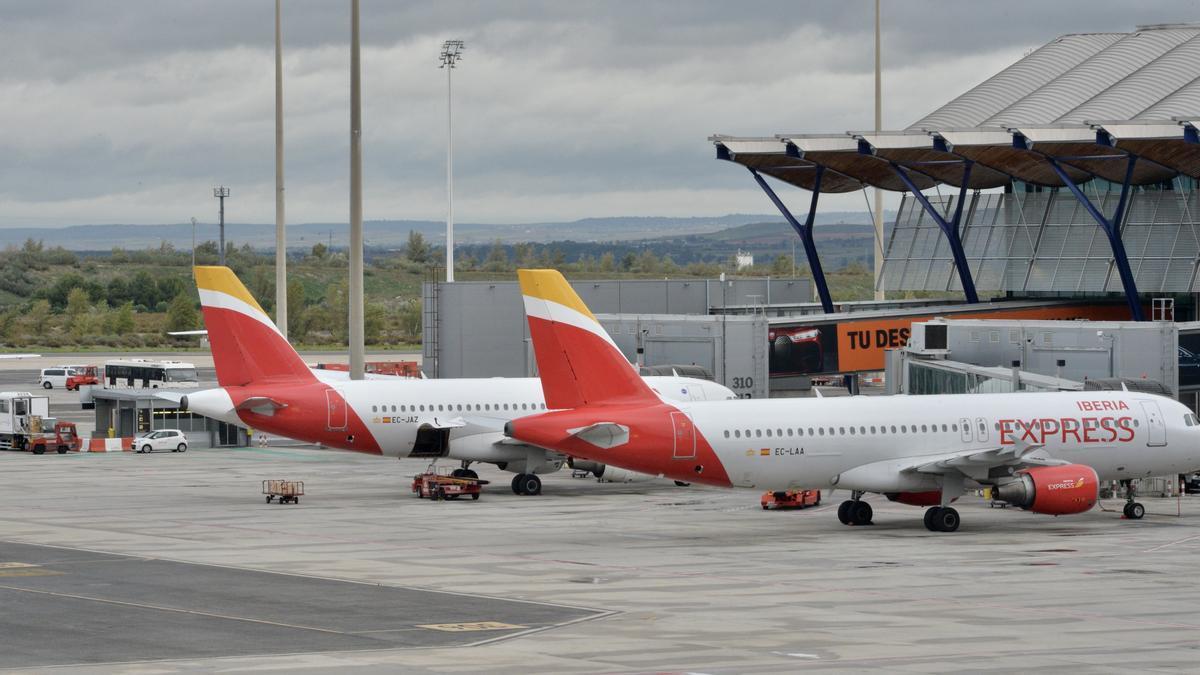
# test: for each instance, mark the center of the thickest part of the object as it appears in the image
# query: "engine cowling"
(1053, 490)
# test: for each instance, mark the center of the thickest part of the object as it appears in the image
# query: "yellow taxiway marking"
(468, 627)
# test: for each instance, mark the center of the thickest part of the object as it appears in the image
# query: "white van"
(54, 377)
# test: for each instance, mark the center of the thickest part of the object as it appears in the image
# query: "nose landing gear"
(1133, 510)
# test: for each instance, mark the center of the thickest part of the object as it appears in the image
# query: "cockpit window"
(1191, 420)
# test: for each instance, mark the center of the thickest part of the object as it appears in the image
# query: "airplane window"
(821, 430)
(487, 406)
(726, 433)
(841, 430)
(810, 431)
(944, 428)
(800, 431)
(851, 431)
(779, 432)
(982, 427)
(862, 430)
(790, 431)
(758, 432)
(768, 433)
(737, 433)
(903, 429)
(373, 409)
(996, 425)
(1136, 423)
(923, 430)
(893, 428)
(440, 407)
(954, 427)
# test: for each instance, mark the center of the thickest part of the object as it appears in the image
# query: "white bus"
(147, 374)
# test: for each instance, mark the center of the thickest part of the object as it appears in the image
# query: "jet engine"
(1054, 490)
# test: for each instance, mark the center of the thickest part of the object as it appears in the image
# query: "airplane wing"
(976, 463)
(949, 469)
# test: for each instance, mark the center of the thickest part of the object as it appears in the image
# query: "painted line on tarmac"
(176, 610)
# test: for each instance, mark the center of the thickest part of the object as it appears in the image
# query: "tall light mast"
(281, 318)
(357, 328)
(879, 294)
(221, 192)
(451, 53)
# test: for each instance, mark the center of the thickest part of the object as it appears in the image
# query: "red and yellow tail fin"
(577, 361)
(246, 345)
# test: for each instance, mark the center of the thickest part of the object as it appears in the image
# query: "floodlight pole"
(281, 318)
(221, 192)
(451, 53)
(356, 332)
(878, 212)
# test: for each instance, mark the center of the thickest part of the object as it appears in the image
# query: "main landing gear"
(526, 484)
(1133, 510)
(941, 519)
(464, 473)
(854, 511)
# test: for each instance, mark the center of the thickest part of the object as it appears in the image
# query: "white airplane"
(265, 385)
(1045, 452)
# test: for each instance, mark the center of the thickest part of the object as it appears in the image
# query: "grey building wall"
(478, 329)
(1090, 349)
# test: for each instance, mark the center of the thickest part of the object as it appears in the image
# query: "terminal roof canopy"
(1087, 103)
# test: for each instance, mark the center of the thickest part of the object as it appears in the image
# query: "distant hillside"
(393, 233)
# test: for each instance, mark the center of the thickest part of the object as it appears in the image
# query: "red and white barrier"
(110, 444)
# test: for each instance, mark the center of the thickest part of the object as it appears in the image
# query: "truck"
(25, 424)
(82, 375)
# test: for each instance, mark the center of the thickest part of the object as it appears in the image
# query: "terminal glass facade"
(1030, 239)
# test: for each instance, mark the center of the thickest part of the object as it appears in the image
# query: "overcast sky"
(130, 111)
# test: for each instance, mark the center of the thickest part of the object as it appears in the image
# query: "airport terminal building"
(1063, 187)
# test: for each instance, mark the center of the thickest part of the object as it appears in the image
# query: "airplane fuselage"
(859, 443)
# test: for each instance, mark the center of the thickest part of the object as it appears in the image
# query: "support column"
(949, 228)
(1112, 229)
(806, 234)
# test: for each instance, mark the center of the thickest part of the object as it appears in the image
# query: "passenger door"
(1156, 426)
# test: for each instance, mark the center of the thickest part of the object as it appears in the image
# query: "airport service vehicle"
(148, 374)
(82, 376)
(56, 376)
(283, 490)
(264, 384)
(438, 485)
(161, 439)
(790, 499)
(1044, 452)
(25, 424)
(389, 368)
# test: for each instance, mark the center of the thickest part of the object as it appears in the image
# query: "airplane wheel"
(931, 515)
(844, 511)
(947, 520)
(530, 484)
(1134, 511)
(861, 513)
(458, 473)
(516, 483)
(470, 473)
